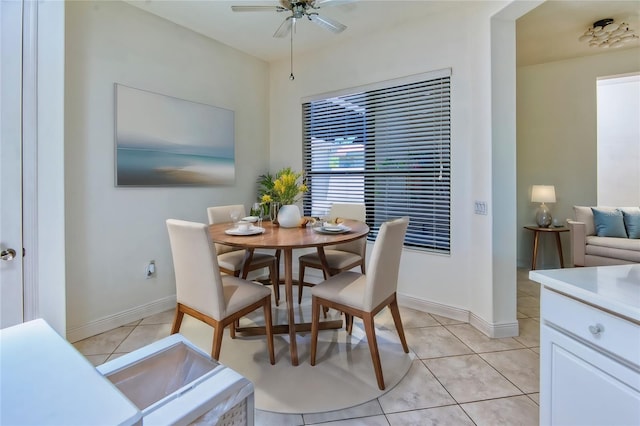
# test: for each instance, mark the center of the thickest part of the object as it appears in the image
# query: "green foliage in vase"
(285, 187)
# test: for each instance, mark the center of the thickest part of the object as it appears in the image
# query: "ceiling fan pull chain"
(291, 76)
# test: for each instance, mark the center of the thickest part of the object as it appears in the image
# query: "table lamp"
(543, 194)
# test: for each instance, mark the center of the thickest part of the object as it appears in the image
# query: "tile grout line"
(125, 338)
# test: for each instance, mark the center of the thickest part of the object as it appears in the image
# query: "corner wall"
(557, 140)
(111, 233)
(463, 282)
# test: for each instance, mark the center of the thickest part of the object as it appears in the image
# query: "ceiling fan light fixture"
(606, 33)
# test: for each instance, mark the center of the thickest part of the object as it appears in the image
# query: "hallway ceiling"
(548, 33)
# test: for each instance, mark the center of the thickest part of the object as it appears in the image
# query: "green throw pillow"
(609, 223)
(632, 222)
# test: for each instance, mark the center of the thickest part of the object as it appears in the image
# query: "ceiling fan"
(298, 9)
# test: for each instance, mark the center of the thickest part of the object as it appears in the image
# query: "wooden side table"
(536, 236)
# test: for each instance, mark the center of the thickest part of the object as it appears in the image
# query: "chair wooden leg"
(350, 325)
(315, 322)
(301, 269)
(269, 330)
(373, 347)
(218, 331)
(246, 264)
(177, 320)
(273, 276)
(395, 312)
(232, 329)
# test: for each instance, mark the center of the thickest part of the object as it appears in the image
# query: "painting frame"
(164, 141)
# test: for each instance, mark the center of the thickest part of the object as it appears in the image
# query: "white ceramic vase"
(289, 216)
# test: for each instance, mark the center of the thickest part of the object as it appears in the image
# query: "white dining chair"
(204, 293)
(232, 259)
(340, 257)
(364, 295)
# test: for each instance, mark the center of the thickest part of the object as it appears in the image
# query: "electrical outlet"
(150, 270)
(480, 207)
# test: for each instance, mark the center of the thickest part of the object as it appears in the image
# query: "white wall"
(557, 139)
(619, 141)
(111, 233)
(462, 282)
(50, 165)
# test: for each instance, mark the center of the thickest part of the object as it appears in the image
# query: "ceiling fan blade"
(258, 8)
(284, 28)
(320, 3)
(328, 23)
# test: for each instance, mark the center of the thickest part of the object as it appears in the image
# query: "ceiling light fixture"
(606, 33)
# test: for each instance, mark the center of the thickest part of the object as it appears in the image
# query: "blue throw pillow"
(632, 222)
(609, 223)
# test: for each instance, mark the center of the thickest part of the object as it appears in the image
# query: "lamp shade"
(543, 194)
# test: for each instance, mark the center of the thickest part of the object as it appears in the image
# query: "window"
(386, 145)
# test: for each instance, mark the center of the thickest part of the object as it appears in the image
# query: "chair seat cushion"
(239, 293)
(234, 260)
(346, 288)
(336, 259)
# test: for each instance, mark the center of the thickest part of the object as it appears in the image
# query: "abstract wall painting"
(166, 141)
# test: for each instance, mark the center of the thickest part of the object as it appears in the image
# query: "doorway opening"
(618, 171)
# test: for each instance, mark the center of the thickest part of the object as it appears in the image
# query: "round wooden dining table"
(288, 239)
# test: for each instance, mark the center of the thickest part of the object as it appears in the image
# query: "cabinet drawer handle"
(596, 330)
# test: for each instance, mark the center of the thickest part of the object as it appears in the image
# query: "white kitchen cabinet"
(590, 351)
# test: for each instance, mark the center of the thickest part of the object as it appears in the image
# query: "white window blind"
(388, 146)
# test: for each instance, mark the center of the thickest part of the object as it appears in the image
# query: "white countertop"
(614, 288)
(46, 381)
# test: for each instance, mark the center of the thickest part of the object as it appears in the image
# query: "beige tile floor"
(459, 377)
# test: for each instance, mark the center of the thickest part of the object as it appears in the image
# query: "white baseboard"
(113, 321)
(121, 318)
(494, 330)
(491, 330)
(433, 307)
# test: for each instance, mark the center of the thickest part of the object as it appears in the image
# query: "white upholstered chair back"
(198, 279)
(355, 211)
(222, 214)
(384, 263)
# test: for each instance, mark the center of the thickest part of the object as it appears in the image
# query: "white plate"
(251, 231)
(334, 230)
(251, 219)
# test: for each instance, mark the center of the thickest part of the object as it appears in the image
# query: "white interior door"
(11, 266)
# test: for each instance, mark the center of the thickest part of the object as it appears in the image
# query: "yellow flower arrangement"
(284, 189)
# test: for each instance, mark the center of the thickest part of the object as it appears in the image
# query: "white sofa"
(587, 249)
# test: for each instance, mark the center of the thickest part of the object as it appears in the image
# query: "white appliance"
(173, 382)
(46, 381)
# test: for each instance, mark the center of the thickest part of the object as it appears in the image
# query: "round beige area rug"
(342, 377)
